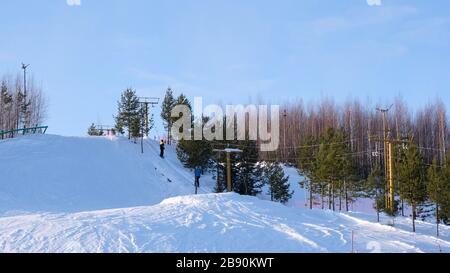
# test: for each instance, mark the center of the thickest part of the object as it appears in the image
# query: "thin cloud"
(73, 2)
(374, 2)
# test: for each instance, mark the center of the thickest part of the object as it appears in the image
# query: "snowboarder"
(198, 174)
(161, 148)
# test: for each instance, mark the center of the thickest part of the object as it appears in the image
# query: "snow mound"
(208, 223)
(70, 174)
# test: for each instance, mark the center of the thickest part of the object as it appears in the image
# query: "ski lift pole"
(228, 152)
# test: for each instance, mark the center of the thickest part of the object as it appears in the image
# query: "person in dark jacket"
(198, 174)
(161, 148)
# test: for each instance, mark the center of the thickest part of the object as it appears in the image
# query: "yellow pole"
(386, 173)
(391, 179)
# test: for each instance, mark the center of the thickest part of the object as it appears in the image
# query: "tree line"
(249, 176)
(360, 122)
(17, 110)
(337, 149)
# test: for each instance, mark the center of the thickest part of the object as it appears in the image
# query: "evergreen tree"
(375, 190)
(24, 110)
(278, 183)
(183, 100)
(328, 165)
(438, 192)
(120, 126)
(166, 111)
(6, 100)
(247, 181)
(398, 154)
(220, 177)
(347, 176)
(193, 153)
(412, 179)
(128, 113)
(322, 171)
(306, 165)
(92, 131)
(136, 127)
(445, 194)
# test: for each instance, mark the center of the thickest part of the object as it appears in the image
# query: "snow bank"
(70, 174)
(209, 223)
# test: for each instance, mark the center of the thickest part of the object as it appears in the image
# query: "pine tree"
(328, 165)
(247, 181)
(193, 153)
(305, 165)
(183, 100)
(445, 196)
(438, 192)
(120, 126)
(128, 114)
(398, 159)
(166, 111)
(412, 179)
(220, 177)
(92, 131)
(6, 100)
(136, 127)
(25, 110)
(346, 171)
(375, 190)
(278, 183)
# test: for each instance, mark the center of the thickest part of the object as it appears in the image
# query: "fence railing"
(23, 131)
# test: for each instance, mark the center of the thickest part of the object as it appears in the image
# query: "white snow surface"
(67, 194)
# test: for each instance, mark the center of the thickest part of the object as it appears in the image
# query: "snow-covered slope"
(209, 223)
(67, 194)
(71, 174)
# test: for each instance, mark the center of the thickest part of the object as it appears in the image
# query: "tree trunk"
(329, 196)
(437, 220)
(322, 197)
(403, 207)
(310, 195)
(332, 196)
(414, 217)
(346, 196)
(378, 213)
(168, 134)
(340, 199)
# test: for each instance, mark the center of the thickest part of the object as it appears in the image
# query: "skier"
(161, 148)
(198, 173)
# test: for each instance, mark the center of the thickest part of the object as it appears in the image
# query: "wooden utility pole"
(228, 152)
(229, 186)
(388, 157)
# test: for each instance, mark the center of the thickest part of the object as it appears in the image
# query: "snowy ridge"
(70, 174)
(208, 223)
(67, 194)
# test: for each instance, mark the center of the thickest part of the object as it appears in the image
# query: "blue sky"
(227, 51)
